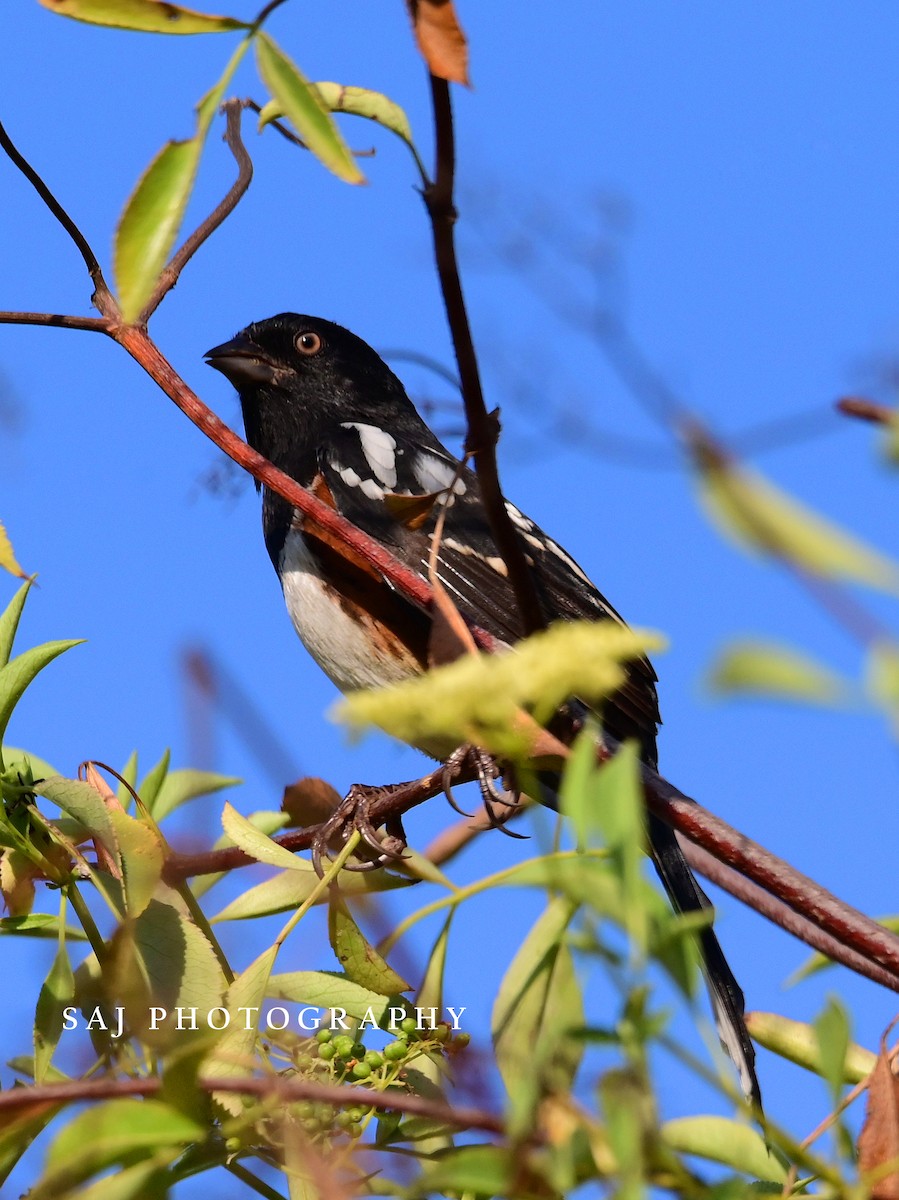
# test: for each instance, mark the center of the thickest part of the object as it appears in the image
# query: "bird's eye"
(308, 343)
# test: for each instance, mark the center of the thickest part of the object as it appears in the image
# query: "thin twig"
(867, 410)
(56, 320)
(279, 126)
(102, 295)
(483, 427)
(275, 1087)
(169, 276)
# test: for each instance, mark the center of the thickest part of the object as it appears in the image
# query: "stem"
(321, 887)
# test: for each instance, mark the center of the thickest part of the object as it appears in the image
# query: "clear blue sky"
(737, 167)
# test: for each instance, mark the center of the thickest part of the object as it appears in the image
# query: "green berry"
(344, 1045)
(327, 1051)
(408, 1025)
(374, 1059)
(396, 1051)
(344, 1120)
(442, 1032)
(461, 1040)
(361, 1070)
(324, 1035)
(355, 1114)
(305, 1110)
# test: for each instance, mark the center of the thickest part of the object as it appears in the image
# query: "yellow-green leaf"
(358, 101)
(147, 16)
(305, 109)
(361, 961)
(762, 668)
(761, 516)
(798, 1042)
(7, 556)
(142, 858)
(723, 1141)
(258, 844)
(56, 992)
(476, 698)
(151, 221)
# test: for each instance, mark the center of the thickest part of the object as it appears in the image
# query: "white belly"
(336, 642)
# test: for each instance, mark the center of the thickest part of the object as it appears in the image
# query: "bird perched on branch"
(322, 406)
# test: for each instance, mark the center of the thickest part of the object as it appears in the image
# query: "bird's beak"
(241, 361)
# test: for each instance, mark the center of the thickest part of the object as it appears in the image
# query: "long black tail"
(726, 996)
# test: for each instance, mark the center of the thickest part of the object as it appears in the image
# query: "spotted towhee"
(324, 407)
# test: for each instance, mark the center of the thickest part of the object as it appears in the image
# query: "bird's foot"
(354, 814)
(500, 802)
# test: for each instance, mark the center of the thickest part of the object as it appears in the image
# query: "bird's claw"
(353, 814)
(493, 795)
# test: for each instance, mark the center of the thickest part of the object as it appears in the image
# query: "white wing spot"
(379, 448)
(368, 487)
(569, 562)
(436, 474)
(518, 518)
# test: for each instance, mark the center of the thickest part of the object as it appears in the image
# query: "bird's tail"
(725, 993)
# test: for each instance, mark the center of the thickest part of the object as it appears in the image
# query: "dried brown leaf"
(878, 1143)
(440, 39)
(411, 511)
(309, 801)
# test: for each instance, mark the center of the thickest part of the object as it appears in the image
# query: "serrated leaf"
(56, 993)
(19, 672)
(7, 555)
(148, 16)
(326, 989)
(478, 699)
(798, 1042)
(538, 1001)
(181, 967)
(109, 1133)
(361, 961)
(83, 803)
(761, 668)
(234, 1051)
(720, 1140)
(304, 108)
(257, 844)
(142, 859)
(288, 889)
(186, 784)
(762, 517)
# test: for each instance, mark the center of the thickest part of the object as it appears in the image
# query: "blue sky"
(732, 170)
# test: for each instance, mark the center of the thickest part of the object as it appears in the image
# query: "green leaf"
(361, 961)
(832, 1034)
(882, 678)
(482, 1171)
(800, 1043)
(430, 994)
(304, 108)
(27, 763)
(19, 672)
(141, 1181)
(288, 889)
(477, 698)
(153, 780)
(142, 857)
(83, 803)
(153, 214)
(754, 667)
(257, 844)
(57, 991)
(720, 1140)
(763, 518)
(180, 965)
(179, 787)
(148, 16)
(38, 925)
(109, 1133)
(234, 1050)
(326, 989)
(538, 1003)
(9, 622)
(360, 102)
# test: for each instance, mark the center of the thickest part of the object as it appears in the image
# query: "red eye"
(308, 343)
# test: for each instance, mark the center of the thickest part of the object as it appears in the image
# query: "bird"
(322, 405)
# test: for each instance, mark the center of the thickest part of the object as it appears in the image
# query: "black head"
(298, 376)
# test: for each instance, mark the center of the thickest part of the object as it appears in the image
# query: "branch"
(867, 410)
(483, 427)
(275, 1087)
(169, 277)
(102, 295)
(56, 320)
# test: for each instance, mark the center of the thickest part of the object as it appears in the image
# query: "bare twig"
(56, 321)
(102, 295)
(483, 427)
(172, 271)
(867, 410)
